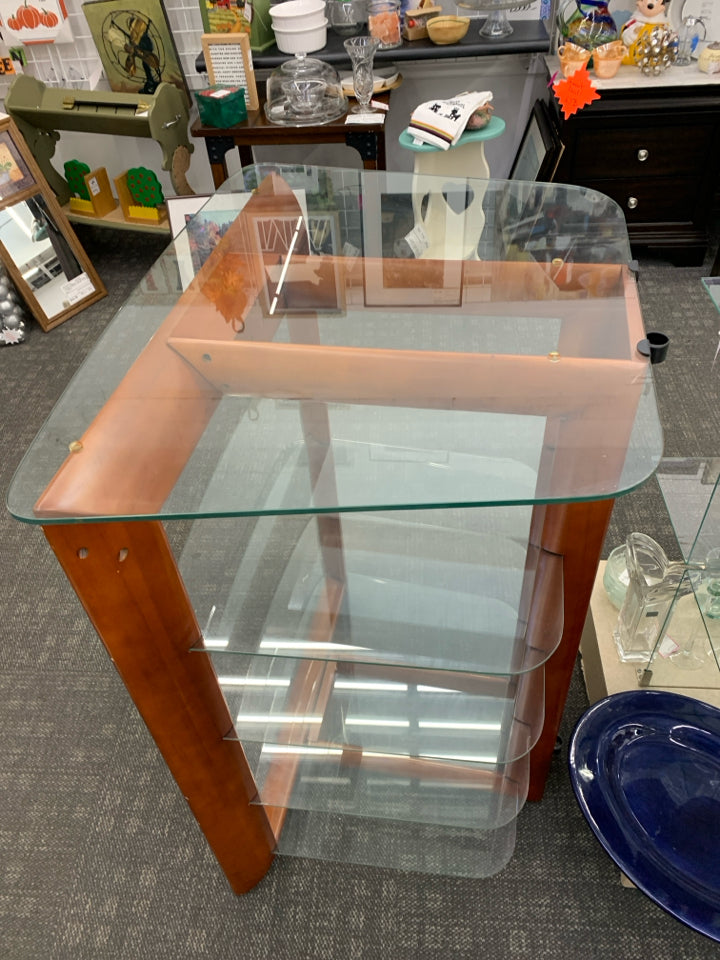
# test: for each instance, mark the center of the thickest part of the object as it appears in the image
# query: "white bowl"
(301, 41)
(305, 21)
(293, 8)
(297, 13)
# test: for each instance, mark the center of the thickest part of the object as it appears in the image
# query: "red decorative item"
(575, 91)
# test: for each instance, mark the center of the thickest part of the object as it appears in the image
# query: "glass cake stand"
(497, 26)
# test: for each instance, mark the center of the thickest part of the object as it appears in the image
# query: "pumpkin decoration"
(29, 17)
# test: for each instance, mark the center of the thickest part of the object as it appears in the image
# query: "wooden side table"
(257, 131)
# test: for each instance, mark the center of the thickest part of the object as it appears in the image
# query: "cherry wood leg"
(126, 578)
(577, 532)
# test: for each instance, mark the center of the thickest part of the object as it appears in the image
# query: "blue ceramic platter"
(645, 767)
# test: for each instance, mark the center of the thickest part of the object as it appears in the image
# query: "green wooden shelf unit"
(40, 112)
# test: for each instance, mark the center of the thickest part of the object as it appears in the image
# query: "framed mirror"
(38, 247)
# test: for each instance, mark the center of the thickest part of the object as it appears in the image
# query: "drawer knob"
(632, 203)
(642, 155)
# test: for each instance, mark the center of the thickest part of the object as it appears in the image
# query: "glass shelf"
(394, 711)
(479, 797)
(425, 382)
(686, 652)
(418, 847)
(408, 580)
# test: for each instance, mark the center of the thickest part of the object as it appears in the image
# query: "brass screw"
(75, 446)
(553, 356)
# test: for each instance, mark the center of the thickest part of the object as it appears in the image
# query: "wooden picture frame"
(38, 247)
(189, 216)
(228, 59)
(540, 148)
(402, 281)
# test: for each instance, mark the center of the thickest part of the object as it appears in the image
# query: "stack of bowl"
(300, 26)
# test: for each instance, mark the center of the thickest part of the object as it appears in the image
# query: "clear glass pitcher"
(654, 583)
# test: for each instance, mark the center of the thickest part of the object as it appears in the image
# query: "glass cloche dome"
(304, 91)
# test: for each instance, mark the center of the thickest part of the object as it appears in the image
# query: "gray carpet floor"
(100, 857)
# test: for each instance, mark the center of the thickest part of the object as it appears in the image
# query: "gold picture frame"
(38, 248)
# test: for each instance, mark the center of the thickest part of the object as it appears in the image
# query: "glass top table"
(439, 378)
(402, 463)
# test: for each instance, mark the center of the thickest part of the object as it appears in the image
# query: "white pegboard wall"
(77, 64)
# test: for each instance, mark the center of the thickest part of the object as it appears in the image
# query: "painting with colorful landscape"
(226, 16)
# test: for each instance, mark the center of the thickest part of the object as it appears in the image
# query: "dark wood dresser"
(653, 145)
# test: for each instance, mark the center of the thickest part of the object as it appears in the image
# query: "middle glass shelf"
(456, 590)
(378, 742)
(340, 710)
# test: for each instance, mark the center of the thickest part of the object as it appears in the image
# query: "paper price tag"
(379, 105)
(365, 118)
(78, 288)
(417, 240)
(667, 647)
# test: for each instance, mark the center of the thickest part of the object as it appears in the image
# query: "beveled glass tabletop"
(324, 340)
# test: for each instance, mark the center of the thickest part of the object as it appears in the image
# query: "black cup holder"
(655, 345)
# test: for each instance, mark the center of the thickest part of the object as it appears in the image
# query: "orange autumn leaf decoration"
(575, 91)
(226, 288)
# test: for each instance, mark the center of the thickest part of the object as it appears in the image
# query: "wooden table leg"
(246, 155)
(577, 532)
(216, 148)
(127, 579)
(370, 145)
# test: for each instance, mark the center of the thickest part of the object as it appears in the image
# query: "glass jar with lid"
(346, 17)
(304, 91)
(384, 22)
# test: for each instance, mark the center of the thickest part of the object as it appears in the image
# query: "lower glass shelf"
(416, 847)
(398, 711)
(378, 786)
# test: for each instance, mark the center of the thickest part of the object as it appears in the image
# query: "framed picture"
(228, 59)
(291, 279)
(324, 233)
(540, 148)
(225, 16)
(197, 225)
(395, 272)
(15, 177)
(180, 209)
(135, 44)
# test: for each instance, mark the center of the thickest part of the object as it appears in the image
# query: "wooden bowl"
(447, 29)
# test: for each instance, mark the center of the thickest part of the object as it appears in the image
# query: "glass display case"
(399, 472)
(685, 652)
